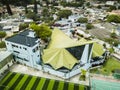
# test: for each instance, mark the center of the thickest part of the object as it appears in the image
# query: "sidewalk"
(31, 71)
(103, 77)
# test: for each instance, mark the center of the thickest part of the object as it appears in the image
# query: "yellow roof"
(61, 40)
(59, 58)
(56, 55)
(97, 50)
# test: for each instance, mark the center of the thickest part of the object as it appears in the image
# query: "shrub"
(82, 20)
(89, 26)
(2, 44)
(23, 26)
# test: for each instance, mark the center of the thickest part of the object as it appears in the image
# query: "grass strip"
(61, 85)
(56, 83)
(13, 80)
(32, 81)
(41, 83)
(65, 86)
(26, 82)
(16, 82)
(21, 82)
(5, 78)
(8, 80)
(50, 86)
(76, 87)
(46, 84)
(82, 87)
(71, 86)
(36, 83)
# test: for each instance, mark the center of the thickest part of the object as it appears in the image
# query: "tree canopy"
(42, 31)
(113, 18)
(89, 26)
(64, 13)
(82, 20)
(2, 34)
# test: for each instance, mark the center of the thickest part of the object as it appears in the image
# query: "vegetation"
(112, 41)
(23, 26)
(32, 15)
(2, 44)
(116, 74)
(89, 26)
(64, 13)
(113, 35)
(45, 12)
(42, 31)
(15, 81)
(109, 66)
(113, 18)
(112, 8)
(83, 75)
(2, 34)
(82, 20)
(6, 3)
(79, 3)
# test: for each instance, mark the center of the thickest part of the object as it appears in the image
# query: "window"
(14, 46)
(22, 58)
(24, 48)
(35, 49)
(16, 51)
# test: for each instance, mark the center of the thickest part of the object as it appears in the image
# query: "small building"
(5, 61)
(25, 47)
(74, 18)
(111, 3)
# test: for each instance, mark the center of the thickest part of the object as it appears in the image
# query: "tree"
(22, 26)
(113, 18)
(2, 44)
(35, 6)
(2, 34)
(45, 12)
(32, 15)
(64, 13)
(82, 20)
(113, 35)
(112, 8)
(6, 3)
(89, 26)
(25, 3)
(83, 74)
(88, 4)
(42, 31)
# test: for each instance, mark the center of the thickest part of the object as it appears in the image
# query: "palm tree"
(35, 6)
(6, 3)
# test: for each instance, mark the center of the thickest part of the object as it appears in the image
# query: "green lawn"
(17, 81)
(110, 65)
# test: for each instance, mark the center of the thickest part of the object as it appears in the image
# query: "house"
(111, 3)
(74, 18)
(25, 47)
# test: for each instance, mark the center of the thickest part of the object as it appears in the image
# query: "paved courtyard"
(31, 71)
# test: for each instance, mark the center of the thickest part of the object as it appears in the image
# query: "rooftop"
(23, 38)
(4, 54)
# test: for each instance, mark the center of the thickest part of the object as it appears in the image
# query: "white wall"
(5, 67)
(28, 54)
